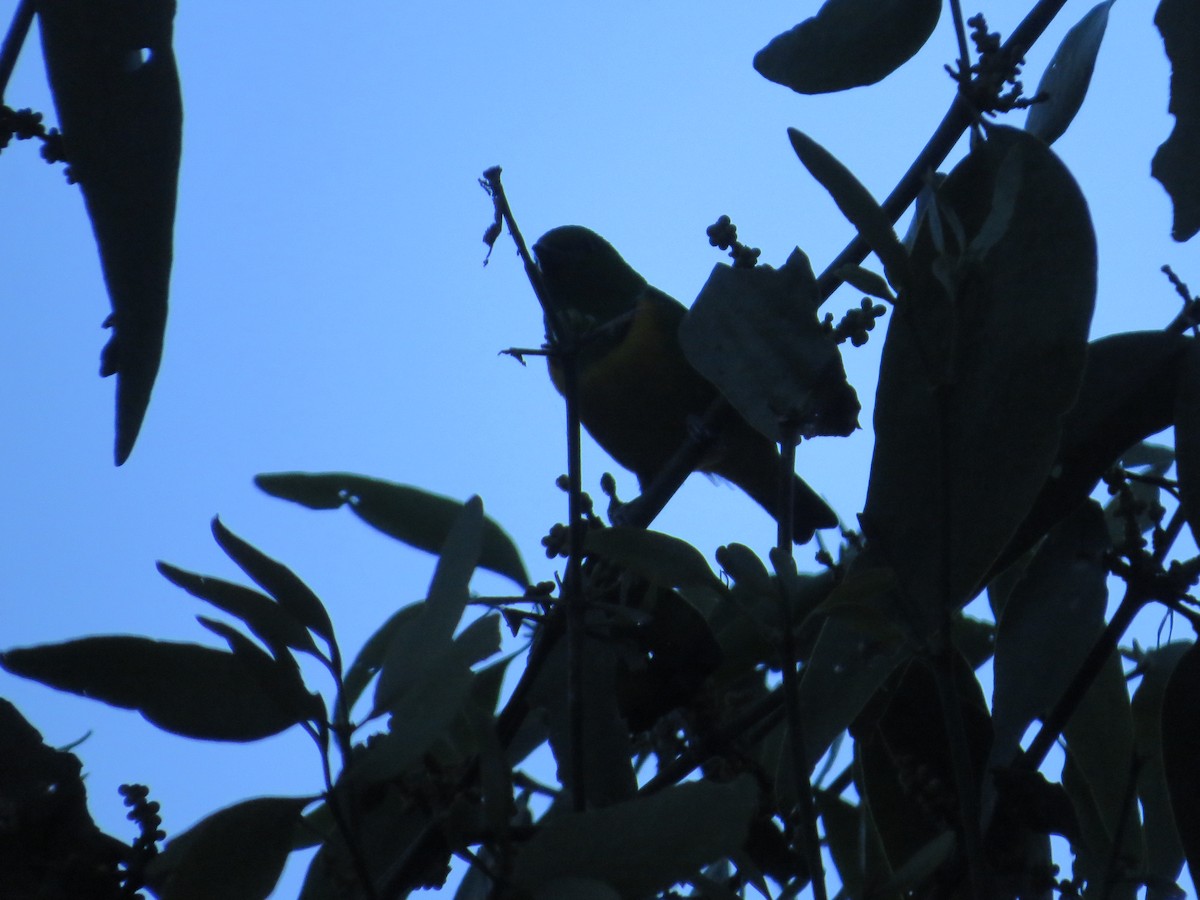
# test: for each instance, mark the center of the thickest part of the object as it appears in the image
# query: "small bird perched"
(637, 390)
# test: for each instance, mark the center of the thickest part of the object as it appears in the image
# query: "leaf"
(1164, 852)
(642, 845)
(1187, 433)
(370, 658)
(266, 619)
(416, 517)
(754, 333)
(186, 689)
(1127, 395)
(1065, 81)
(236, 853)
(975, 380)
(665, 560)
(1050, 622)
(856, 204)
(115, 86)
(277, 580)
(1174, 162)
(847, 44)
(1181, 749)
(1099, 777)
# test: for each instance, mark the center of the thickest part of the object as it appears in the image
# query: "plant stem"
(13, 41)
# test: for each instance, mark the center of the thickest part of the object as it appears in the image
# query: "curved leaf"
(661, 558)
(112, 73)
(186, 689)
(856, 204)
(236, 853)
(848, 43)
(1174, 163)
(1181, 749)
(1065, 81)
(277, 580)
(984, 355)
(1187, 433)
(419, 518)
(643, 845)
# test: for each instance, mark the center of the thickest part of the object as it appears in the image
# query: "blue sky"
(330, 309)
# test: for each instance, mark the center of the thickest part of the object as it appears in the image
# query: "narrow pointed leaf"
(661, 558)
(115, 86)
(1065, 81)
(848, 43)
(269, 622)
(855, 202)
(182, 688)
(277, 580)
(416, 517)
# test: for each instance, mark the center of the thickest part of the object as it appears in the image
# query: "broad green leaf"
(182, 688)
(1164, 852)
(856, 204)
(115, 86)
(1181, 749)
(1050, 622)
(665, 560)
(643, 845)
(235, 854)
(279, 677)
(848, 43)
(277, 580)
(754, 333)
(1065, 81)
(416, 517)
(262, 615)
(1127, 395)
(984, 355)
(1174, 163)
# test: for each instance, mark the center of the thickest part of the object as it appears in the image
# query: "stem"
(958, 118)
(785, 566)
(572, 594)
(11, 48)
(1056, 721)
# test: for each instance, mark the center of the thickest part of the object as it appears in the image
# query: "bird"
(637, 391)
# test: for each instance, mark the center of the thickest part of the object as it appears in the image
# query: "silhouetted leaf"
(1164, 852)
(1181, 749)
(414, 516)
(182, 688)
(1187, 432)
(754, 333)
(236, 853)
(856, 204)
(1065, 81)
(1099, 778)
(661, 558)
(848, 43)
(265, 618)
(983, 357)
(277, 580)
(643, 845)
(1174, 163)
(112, 73)
(1127, 395)
(1052, 618)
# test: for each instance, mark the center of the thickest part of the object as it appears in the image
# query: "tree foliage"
(724, 733)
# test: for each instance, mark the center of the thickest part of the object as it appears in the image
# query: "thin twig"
(563, 343)
(13, 41)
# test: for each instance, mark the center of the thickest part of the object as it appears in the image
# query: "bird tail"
(758, 474)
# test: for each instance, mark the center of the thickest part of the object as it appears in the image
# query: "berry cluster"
(723, 234)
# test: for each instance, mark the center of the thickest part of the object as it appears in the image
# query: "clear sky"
(330, 310)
